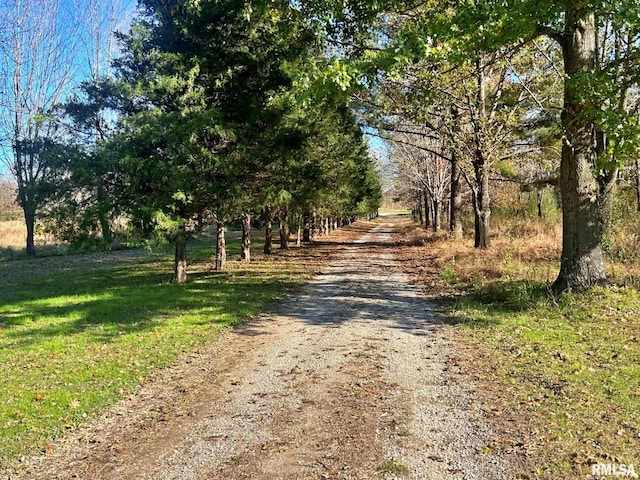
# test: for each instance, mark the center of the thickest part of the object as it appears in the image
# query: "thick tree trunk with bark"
(455, 203)
(30, 223)
(268, 231)
(245, 253)
(284, 228)
(582, 263)
(481, 204)
(455, 211)
(180, 257)
(221, 248)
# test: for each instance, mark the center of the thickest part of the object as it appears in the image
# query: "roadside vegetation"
(80, 331)
(559, 373)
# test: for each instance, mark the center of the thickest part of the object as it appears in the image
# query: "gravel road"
(350, 378)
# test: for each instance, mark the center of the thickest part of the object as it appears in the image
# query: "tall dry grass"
(521, 249)
(528, 248)
(13, 234)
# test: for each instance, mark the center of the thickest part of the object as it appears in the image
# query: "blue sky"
(78, 21)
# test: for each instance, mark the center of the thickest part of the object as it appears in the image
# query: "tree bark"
(314, 225)
(582, 263)
(221, 248)
(481, 204)
(539, 201)
(455, 212)
(306, 232)
(30, 223)
(608, 185)
(245, 253)
(268, 231)
(428, 214)
(180, 257)
(284, 228)
(436, 208)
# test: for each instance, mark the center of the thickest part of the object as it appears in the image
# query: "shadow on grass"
(111, 294)
(496, 299)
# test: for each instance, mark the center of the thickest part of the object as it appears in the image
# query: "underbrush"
(562, 371)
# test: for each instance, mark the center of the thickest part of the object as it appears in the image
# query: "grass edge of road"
(557, 375)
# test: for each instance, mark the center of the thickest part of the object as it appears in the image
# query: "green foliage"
(392, 467)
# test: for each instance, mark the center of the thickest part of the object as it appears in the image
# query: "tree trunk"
(221, 248)
(314, 225)
(180, 258)
(608, 185)
(245, 254)
(30, 223)
(582, 263)
(427, 210)
(284, 228)
(268, 232)
(436, 215)
(481, 206)
(455, 211)
(539, 201)
(306, 232)
(107, 237)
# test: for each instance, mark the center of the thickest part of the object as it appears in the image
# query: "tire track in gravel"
(348, 373)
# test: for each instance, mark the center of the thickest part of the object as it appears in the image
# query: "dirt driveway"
(347, 379)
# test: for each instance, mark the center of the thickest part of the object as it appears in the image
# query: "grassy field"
(77, 332)
(561, 373)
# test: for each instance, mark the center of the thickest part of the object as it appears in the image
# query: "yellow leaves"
(340, 74)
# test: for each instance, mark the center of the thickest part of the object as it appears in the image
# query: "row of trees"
(490, 83)
(211, 112)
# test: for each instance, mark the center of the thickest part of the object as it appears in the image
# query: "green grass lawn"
(78, 332)
(569, 365)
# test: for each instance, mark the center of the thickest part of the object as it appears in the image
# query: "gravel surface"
(350, 378)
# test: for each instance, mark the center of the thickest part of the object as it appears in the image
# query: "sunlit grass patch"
(571, 365)
(80, 331)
